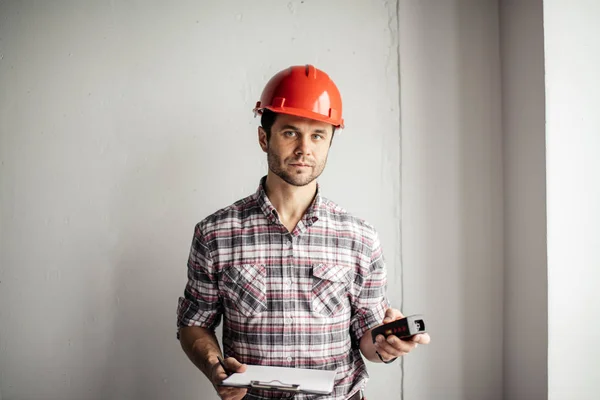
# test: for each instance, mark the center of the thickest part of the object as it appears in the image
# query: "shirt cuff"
(189, 314)
(367, 319)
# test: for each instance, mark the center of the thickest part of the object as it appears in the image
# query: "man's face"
(298, 148)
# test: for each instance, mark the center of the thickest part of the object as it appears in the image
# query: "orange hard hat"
(303, 91)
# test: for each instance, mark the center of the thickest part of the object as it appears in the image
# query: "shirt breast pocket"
(245, 288)
(330, 288)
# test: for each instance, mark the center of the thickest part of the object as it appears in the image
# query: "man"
(298, 281)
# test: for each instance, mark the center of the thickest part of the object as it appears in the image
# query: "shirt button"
(288, 282)
(289, 359)
(289, 321)
(288, 243)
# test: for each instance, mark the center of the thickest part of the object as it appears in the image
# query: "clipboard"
(291, 380)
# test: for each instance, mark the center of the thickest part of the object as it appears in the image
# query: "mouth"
(300, 165)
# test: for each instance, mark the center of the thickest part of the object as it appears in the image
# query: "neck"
(290, 201)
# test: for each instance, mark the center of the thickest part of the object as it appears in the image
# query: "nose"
(303, 147)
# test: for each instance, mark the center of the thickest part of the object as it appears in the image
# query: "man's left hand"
(393, 346)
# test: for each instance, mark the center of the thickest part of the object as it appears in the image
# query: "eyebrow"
(294, 128)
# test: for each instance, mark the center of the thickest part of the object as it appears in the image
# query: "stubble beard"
(276, 166)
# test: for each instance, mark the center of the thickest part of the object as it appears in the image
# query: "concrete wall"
(525, 265)
(122, 124)
(452, 223)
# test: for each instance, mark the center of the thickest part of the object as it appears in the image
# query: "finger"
(384, 346)
(218, 374)
(233, 394)
(234, 365)
(401, 345)
(225, 392)
(391, 314)
(394, 345)
(422, 338)
(381, 343)
(388, 356)
(239, 395)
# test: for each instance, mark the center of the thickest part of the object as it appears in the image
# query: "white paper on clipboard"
(283, 379)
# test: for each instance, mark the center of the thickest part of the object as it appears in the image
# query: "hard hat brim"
(298, 112)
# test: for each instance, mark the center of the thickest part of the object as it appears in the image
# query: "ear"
(262, 139)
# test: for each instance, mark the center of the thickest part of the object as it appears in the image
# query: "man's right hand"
(218, 375)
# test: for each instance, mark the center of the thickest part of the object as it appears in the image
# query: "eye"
(317, 136)
(289, 133)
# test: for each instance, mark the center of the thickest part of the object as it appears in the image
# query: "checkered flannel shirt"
(301, 299)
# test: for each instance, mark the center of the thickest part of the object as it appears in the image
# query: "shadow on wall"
(480, 199)
(144, 358)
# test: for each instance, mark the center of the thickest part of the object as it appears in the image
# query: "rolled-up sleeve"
(371, 302)
(200, 304)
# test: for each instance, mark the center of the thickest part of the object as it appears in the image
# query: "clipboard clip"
(283, 387)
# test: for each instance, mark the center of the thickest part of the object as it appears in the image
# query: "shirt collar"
(312, 214)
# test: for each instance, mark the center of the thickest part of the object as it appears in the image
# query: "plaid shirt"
(301, 299)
